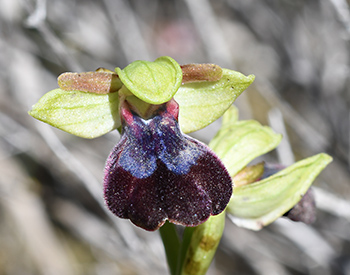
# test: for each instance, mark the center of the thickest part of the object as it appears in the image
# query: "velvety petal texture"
(156, 173)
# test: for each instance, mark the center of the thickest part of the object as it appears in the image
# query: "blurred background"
(52, 216)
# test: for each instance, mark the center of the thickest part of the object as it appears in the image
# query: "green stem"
(171, 244)
(186, 240)
(202, 246)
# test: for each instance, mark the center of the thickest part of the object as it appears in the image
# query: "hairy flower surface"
(156, 173)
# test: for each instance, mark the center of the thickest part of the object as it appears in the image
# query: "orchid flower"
(156, 173)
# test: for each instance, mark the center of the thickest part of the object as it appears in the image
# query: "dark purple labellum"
(156, 173)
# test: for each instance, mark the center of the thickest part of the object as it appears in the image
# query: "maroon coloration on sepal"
(305, 210)
(156, 173)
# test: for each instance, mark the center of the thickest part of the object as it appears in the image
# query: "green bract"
(258, 204)
(153, 82)
(201, 103)
(203, 244)
(82, 114)
(239, 142)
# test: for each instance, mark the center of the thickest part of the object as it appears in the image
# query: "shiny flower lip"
(156, 173)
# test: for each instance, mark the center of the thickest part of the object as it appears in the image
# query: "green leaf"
(82, 114)
(153, 82)
(258, 204)
(239, 142)
(204, 242)
(201, 103)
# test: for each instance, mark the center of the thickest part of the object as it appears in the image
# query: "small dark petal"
(305, 210)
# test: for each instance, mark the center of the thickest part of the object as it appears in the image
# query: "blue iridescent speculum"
(157, 173)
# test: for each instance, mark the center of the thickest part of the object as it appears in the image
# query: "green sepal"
(153, 82)
(82, 114)
(201, 103)
(239, 142)
(256, 205)
(202, 247)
